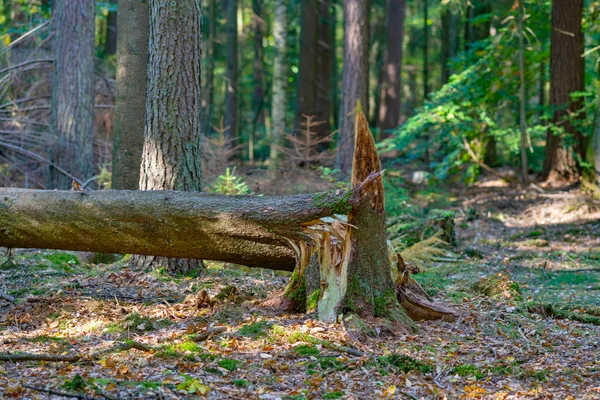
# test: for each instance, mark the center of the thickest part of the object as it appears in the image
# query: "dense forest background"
(451, 88)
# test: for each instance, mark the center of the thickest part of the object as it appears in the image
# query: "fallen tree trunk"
(248, 230)
(353, 268)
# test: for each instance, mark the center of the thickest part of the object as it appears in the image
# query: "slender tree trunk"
(171, 158)
(130, 109)
(280, 80)
(111, 30)
(335, 103)
(426, 160)
(258, 96)
(522, 98)
(307, 75)
(231, 96)
(355, 77)
(325, 61)
(72, 108)
(566, 77)
(209, 107)
(590, 179)
(389, 109)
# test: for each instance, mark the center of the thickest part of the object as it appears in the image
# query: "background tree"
(566, 77)
(171, 158)
(307, 74)
(72, 109)
(280, 80)
(355, 77)
(389, 110)
(258, 96)
(130, 111)
(325, 63)
(231, 96)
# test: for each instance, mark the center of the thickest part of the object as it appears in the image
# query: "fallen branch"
(481, 163)
(7, 297)
(38, 357)
(23, 64)
(59, 393)
(75, 357)
(202, 336)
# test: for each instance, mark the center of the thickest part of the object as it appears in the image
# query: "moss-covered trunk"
(249, 230)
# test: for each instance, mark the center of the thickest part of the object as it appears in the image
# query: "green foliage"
(192, 386)
(255, 329)
(466, 370)
(306, 350)
(229, 364)
(405, 363)
(75, 384)
(333, 395)
(480, 104)
(230, 184)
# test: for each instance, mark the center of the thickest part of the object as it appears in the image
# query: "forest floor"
(526, 278)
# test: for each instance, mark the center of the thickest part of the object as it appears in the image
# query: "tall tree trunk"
(111, 30)
(258, 96)
(72, 108)
(171, 158)
(449, 39)
(566, 77)
(130, 109)
(426, 159)
(590, 179)
(231, 96)
(335, 103)
(355, 77)
(325, 58)
(389, 109)
(209, 107)
(307, 75)
(522, 98)
(280, 80)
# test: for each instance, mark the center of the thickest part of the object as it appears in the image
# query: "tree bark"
(590, 179)
(210, 68)
(566, 77)
(522, 98)
(325, 58)
(307, 75)
(111, 30)
(72, 108)
(355, 77)
(130, 108)
(249, 230)
(449, 39)
(171, 158)
(389, 109)
(280, 80)
(231, 95)
(258, 26)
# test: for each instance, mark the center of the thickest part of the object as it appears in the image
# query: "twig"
(23, 64)
(7, 297)
(131, 344)
(202, 336)
(24, 36)
(74, 358)
(481, 163)
(58, 393)
(38, 157)
(38, 357)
